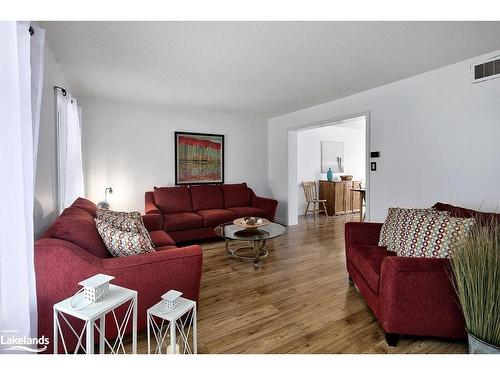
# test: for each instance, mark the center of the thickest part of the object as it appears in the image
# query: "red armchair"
(70, 251)
(410, 296)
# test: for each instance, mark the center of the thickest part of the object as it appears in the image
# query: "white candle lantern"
(172, 325)
(96, 287)
(170, 300)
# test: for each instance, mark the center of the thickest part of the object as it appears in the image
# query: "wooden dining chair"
(311, 195)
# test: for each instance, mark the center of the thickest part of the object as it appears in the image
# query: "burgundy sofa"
(71, 250)
(192, 212)
(411, 296)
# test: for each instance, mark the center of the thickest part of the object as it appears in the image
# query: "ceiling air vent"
(485, 71)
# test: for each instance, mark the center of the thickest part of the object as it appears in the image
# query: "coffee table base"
(258, 248)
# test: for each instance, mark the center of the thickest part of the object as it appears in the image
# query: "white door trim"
(292, 206)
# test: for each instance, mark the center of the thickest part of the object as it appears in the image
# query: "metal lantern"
(170, 300)
(96, 287)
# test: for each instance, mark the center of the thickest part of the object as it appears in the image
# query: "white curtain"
(69, 137)
(36, 60)
(21, 73)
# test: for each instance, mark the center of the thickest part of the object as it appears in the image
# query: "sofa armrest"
(60, 251)
(400, 264)
(121, 263)
(155, 273)
(362, 233)
(417, 297)
(60, 265)
(267, 204)
(152, 222)
(149, 204)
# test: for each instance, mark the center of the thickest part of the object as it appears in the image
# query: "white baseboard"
(281, 221)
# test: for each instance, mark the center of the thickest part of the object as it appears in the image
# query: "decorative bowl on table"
(250, 222)
(346, 177)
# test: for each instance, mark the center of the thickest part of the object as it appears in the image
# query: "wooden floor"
(299, 301)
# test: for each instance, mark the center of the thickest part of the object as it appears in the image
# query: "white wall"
(130, 146)
(438, 137)
(45, 209)
(309, 153)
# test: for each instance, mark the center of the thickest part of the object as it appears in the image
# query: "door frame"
(293, 187)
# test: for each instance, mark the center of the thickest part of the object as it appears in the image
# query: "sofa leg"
(391, 339)
(350, 279)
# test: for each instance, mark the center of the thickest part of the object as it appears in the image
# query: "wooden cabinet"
(339, 197)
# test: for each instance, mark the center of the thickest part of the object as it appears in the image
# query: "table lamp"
(104, 204)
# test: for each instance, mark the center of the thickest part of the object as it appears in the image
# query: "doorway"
(341, 145)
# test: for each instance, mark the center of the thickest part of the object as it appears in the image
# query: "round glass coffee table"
(255, 247)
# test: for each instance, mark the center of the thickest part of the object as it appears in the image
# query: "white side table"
(172, 329)
(117, 297)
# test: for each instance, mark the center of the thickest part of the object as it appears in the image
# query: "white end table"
(117, 297)
(176, 323)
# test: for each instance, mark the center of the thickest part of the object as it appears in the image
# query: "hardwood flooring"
(299, 301)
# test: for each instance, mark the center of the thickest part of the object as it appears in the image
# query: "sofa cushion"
(169, 247)
(396, 217)
(248, 211)
(73, 211)
(368, 261)
(216, 216)
(86, 205)
(121, 243)
(236, 195)
(126, 221)
(433, 236)
(173, 199)
(78, 226)
(455, 211)
(160, 239)
(394, 228)
(190, 235)
(105, 213)
(182, 220)
(206, 197)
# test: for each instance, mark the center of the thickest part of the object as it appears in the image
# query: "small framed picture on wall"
(332, 156)
(199, 158)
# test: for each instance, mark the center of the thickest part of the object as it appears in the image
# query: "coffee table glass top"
(235, 232)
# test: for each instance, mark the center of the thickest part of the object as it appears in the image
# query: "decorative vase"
(329, 174)
(477, 346)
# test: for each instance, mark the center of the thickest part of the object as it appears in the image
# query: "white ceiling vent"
(486, 70)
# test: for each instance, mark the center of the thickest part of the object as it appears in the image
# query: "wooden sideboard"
(339, 197)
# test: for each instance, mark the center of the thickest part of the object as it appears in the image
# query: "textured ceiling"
(267, 68)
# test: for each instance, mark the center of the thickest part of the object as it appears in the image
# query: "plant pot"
(477, 346)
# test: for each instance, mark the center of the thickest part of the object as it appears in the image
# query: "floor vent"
(485, 71)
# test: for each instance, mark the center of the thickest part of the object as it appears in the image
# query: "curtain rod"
(63, 90)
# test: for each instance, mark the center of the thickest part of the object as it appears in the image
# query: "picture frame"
(332, 156)
(199, 158)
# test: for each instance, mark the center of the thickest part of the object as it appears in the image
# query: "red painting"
(199, 158)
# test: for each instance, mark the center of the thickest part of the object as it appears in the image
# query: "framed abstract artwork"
(332, 156)
(199, 158)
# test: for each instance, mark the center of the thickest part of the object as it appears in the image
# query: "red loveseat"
(410, 296)
(192, 212)
(71, 250)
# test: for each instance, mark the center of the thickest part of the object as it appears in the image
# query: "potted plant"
(476, 269)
